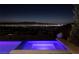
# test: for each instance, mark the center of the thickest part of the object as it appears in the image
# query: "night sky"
(40, 13)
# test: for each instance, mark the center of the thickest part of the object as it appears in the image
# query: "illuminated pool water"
(44, 45)
(7, 46)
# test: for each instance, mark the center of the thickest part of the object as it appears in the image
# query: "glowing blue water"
(44, 45)
(7, 46)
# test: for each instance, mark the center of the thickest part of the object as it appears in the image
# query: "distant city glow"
(31, 25)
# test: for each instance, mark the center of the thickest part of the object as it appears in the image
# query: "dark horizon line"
(30, 22)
